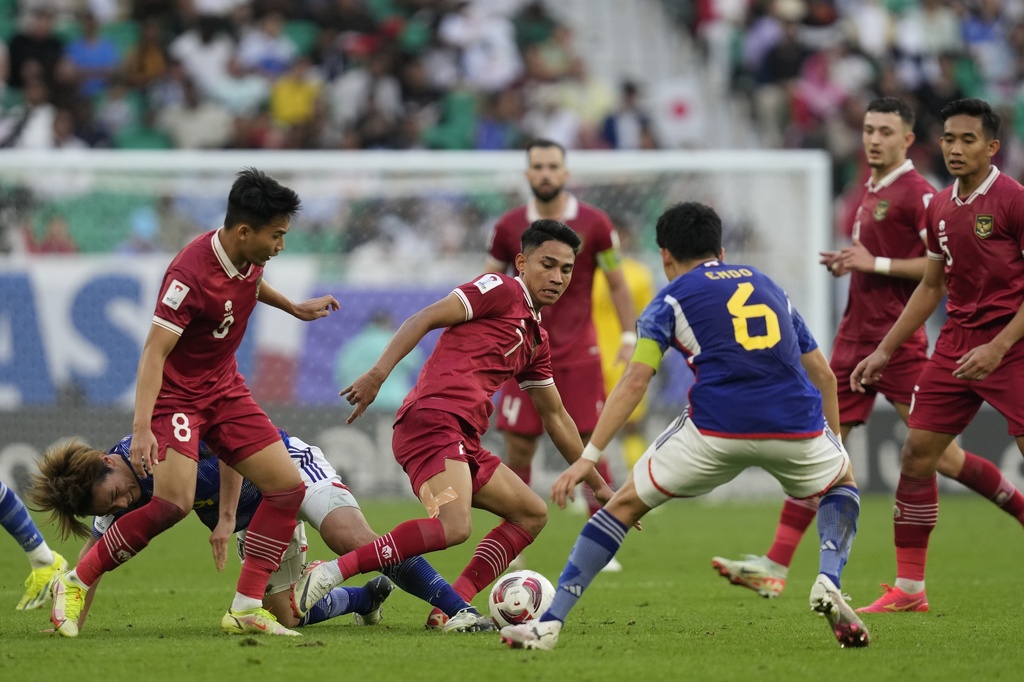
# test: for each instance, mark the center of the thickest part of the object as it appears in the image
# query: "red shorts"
(581, 388)
(425, 439)
(944, 404)
(897, 382)
(233, 426)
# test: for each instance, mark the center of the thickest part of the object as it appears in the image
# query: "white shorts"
(683, 462)
(324, 493)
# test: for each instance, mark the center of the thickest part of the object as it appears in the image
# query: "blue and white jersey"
(743, 339)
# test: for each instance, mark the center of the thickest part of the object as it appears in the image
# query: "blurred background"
(401, 124)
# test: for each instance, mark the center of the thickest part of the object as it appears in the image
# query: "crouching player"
(76, 481)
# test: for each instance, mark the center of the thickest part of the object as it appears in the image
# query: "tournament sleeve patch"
(175, 294)
(487, 282)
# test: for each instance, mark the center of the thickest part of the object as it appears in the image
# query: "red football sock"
(796, 516)
(491, 558)
(408, 539)
(267, 538)
(916, 513)
(605, 472)
(524, 473)
(126, 537)
(984, 478)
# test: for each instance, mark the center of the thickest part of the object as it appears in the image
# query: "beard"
(546, 194)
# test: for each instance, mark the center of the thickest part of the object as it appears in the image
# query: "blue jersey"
(743, 339)
(207, 500)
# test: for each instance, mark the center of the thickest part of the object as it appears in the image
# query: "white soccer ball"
(519, 596)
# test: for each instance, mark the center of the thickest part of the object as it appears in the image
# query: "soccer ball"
(519, 596)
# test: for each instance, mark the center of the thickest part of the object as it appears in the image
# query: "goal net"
(87, 236)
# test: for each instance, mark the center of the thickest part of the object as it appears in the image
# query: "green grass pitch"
(666, 616)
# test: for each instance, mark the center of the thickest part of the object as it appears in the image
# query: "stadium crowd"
(482, 74)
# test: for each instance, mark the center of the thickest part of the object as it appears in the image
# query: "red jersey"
(207, 302)
(981, 241)
(889, 222)
(500, 338)
(569, 320)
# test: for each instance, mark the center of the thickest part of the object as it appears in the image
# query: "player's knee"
(289, 499)
(167, 512)
(457, 528)
(533, 517)
(918, 459)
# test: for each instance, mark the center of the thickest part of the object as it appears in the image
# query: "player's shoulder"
(122, 447)
(1006, 186)
(591, 216)
(195, 253)
(493, 283)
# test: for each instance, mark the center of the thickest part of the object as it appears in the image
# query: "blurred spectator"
(498, 126)
(36, 44)
(925, 31)
(533, 25)
(145, 232)
(624, 128)
(264, 48)
(118, 109)
(552, 59)
(56, 237)
(147, 60)
(347, 99)
(548, 118)
(776, 81)
(195, 123)
(30, 124)
(94, 57)
(64, 132)
(295, 96)
(206, 52)
(490, 58)
(363, 349)
(871, 27)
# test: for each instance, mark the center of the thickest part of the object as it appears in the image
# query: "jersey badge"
(175, 294)
(881, 209)
(983, 226)
(487, 282)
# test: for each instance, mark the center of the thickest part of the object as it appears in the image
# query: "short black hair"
(689, 231)
(977, 108)
(257, 199)
(544, 230)
(893, 105)
(544, 143)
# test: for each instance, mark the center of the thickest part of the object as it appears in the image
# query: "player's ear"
(520, 263)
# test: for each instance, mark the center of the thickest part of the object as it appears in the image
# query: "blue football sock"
(417, 577)
(598, 542)
(837, 526)
(15, 519)
(338, 602)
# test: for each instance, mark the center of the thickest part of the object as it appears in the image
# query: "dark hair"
(541, 231)
(976, 108)
(544, 143)
(690, 231)
(64, 484)
(257, 199)
(893, 105)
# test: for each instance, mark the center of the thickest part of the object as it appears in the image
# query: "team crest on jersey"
(487, 282)
(983, 226)
(881, 209)
(175, 294)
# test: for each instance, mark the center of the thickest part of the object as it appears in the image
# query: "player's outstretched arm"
(158, 346)
(230, 492)
(857, 257)
(923, 302)
(313, 309)
(564, 434)
(444, 313)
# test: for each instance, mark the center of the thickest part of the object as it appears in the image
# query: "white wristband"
(629, 338)
(592, 453)
(883, 265)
